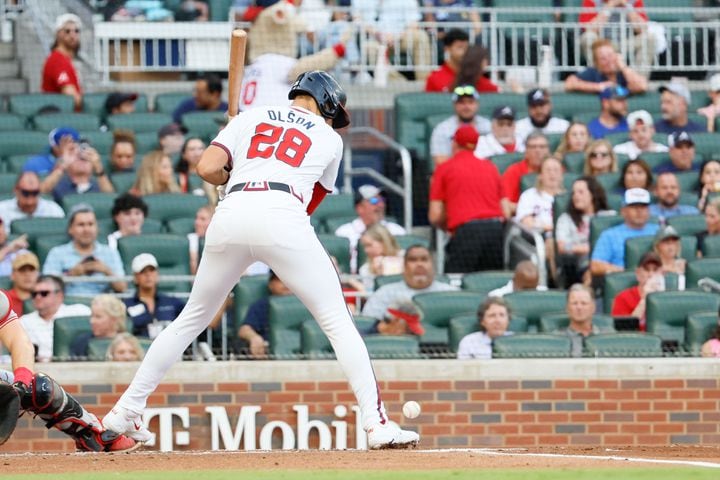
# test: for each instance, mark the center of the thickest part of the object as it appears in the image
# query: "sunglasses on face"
(599, 154)
(71, 30)
(29, 193)
(375, 200)
(42, 293)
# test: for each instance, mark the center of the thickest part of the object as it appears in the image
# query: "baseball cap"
(636, 196)
(615, 92)
(142, 261)
(539, 96)
(367, 192)
(464, 91)
(171, 129)
(66, 18)
(466, 136)
(642, 116)
(504, 112)
(666, 232)
(116, 99)
(408, 313)
(678, 89)
(650, 257)
(715, 83)
(25, 259)
(58, 133)
(678, 137)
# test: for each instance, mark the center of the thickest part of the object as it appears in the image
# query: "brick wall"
(510, 412)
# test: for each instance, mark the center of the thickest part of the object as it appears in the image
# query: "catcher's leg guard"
(47, 399)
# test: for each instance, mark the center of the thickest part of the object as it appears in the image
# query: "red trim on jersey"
(229, 164)
(339, 49)
(318, 195)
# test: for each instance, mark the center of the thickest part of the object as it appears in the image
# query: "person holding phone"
(631, 301)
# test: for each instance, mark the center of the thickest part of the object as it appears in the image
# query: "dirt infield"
(551, 457)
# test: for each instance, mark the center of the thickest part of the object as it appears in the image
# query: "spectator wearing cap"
(503, 137)
(171, 138)
(613, 108)
(24, 276)
(401, 318)
(255, 328)
(631, 301)
(370, 207)
(609, 70)
(455, 44)
(59, 74)
(467, 201)
(465, 103)
(147, 308)
(9, 249)
(537, 148)
(674, 103)
(27, 202)
(493, 321)
(206, 97)
(128, 213)
(120, 102)
(418, 277)
(83, 256)
(642, 129)
(609, 252)
(64, 148)
(668, 247)
(712, 110)
(540, 117)
(667, 192)
(682, 154)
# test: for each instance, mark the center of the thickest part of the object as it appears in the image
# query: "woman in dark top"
(712, 222)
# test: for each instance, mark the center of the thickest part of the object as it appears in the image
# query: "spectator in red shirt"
(466, 200)
(537, 149)
(59, 75)
(601, 19)
(472, 70)
(631, 301)
(455, 44)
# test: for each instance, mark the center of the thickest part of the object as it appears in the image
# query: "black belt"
(263, 187)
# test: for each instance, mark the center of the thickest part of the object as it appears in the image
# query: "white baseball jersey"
(273, 144)
(265, 82)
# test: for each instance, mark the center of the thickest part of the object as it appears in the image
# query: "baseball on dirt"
(411, 409)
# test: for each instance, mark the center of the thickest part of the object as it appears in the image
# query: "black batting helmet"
(326, 92)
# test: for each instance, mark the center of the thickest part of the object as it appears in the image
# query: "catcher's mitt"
(9, 410)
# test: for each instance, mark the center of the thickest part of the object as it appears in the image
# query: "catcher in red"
(24, 391)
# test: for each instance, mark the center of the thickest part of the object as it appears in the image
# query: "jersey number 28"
(289, 145)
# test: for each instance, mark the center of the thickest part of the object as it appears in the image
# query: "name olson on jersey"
(224, 437)
(290, 117)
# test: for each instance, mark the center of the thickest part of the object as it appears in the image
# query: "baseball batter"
(278, 164)
(44, 397)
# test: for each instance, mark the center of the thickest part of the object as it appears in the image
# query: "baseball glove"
(9, 410)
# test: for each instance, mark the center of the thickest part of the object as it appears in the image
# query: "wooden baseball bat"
(236, 69)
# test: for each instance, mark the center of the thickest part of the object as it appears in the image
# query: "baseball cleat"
(386, 436)
(126, 422)
(106, 441)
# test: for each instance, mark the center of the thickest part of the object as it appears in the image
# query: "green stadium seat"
(623, 345)
(532, 304)
(139, 122)
(331, 224)
(490, 101)
(171, 252)
(461, 325)
(706, 144)
(7, 183)
(168, 102)
(560, 204)
(152, 225)
(616, 138)
(699, 329)
(655, 159)
(28, 105)
(97, 349)
(11, 122)
(392, 346)
(146, 142)
(123, 181)
(688, 224)
(599, 223)
(689, 184)
(437, 308)
(314, 342)
(503, 161)
(533, 345)
(250, 289)
(23, 143)
(100, 141)
(5, 283)
(636, 248)
(14, 164)
(65, 329)
(101, 202)
(78, 121)
(701, 268)
(340, 205)
(38, 227)
(575, 162)
(485, 282)
(181, 226)
(618, 281)
(649, 101)
(203, 124)
(554, 140)
(711, 246)
(609, 181)
(95, 103)
(286, 316)
(584, 117)
(552, 322)
(44, 243)
(338, 247)
(567, 104)
(411, 111)
(169, 206)
(667, 312)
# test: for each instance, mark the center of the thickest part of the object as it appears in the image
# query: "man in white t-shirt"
(48, 297)
(540, 116)
(642, 129)
(27, 202)
(525, 277)
(503, 137)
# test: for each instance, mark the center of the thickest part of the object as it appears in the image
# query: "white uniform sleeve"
(229, 136)
(327, 180)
